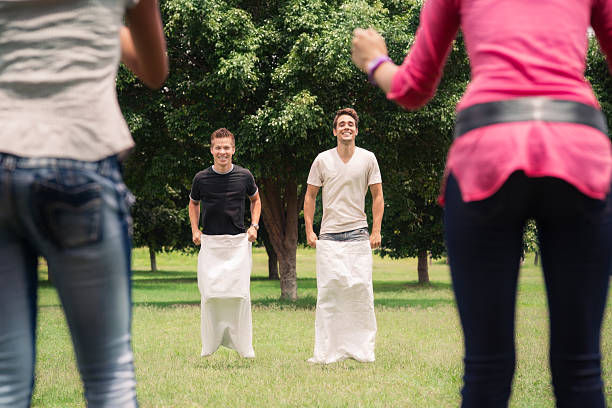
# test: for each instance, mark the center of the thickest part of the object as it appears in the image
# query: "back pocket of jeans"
(70, 215)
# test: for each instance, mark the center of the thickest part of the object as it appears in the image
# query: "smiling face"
(222, 149)
(345, 130)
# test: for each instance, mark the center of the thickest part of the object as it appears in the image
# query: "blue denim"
(484, 240)
(76, 215)
(359, 234)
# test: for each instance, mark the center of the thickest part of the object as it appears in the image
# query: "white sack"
(345, 325)
(224, 271)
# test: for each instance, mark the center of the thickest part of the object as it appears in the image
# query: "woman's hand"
(367, 46)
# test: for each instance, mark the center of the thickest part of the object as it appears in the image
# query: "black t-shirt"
(222, 197)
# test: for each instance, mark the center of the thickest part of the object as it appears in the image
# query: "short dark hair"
(220, 134)
(347, 111)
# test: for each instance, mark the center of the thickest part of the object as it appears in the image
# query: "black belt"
(528, 109)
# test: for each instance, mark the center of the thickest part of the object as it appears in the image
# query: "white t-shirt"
(58, 63)
(345, 186)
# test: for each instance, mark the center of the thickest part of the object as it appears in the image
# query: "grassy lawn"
(418, 346)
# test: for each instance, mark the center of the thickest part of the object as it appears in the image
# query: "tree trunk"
(288, 278)
(422, 267)
(272, 262)
(536, 258)
(280, 208)
(272, 257)
(153, 260)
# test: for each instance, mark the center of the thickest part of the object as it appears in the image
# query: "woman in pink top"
(530, 142)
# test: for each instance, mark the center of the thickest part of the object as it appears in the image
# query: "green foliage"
(598, 74)
(274, 72)
(530, 237)
(276, 79)
(161, 223)
(412, 223)
(156, 170)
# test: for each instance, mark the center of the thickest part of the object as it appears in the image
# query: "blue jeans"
(484, 240)
(359, 234)
(76, 215)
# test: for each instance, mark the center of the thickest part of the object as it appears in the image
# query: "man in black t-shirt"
(225, 259)
(221, 191)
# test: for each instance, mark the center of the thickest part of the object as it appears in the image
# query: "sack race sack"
(224, 271)
(345, 324)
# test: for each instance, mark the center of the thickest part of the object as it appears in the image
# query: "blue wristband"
(373, 66)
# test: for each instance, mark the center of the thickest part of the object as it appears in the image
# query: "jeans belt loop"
(9, 162)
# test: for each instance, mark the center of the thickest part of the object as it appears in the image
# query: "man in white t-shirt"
(344, 271)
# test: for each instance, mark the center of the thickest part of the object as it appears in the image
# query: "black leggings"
(484, 240)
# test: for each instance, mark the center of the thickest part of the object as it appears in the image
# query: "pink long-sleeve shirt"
(517, 48)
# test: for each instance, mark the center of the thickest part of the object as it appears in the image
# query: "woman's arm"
(413, 83)
(143, 45)
(367, 46)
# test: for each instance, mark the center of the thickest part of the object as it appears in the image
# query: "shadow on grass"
(305, 302)
(412, 286)
(176, 281)
(412, 303)
(310, 302)
(166, 278)
(169, 303)
(163, 275)
(162, 283)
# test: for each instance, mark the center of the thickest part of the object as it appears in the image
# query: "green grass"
(418, 345)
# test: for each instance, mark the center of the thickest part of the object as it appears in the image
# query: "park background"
(274, 72)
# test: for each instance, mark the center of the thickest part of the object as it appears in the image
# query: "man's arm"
(378, 208)
(310, 200)
(255, 214)
(143, 45)
(194, 219)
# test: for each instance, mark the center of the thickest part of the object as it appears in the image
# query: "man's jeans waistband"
(359, 234)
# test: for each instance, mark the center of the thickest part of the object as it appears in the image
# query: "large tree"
(274, 72)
